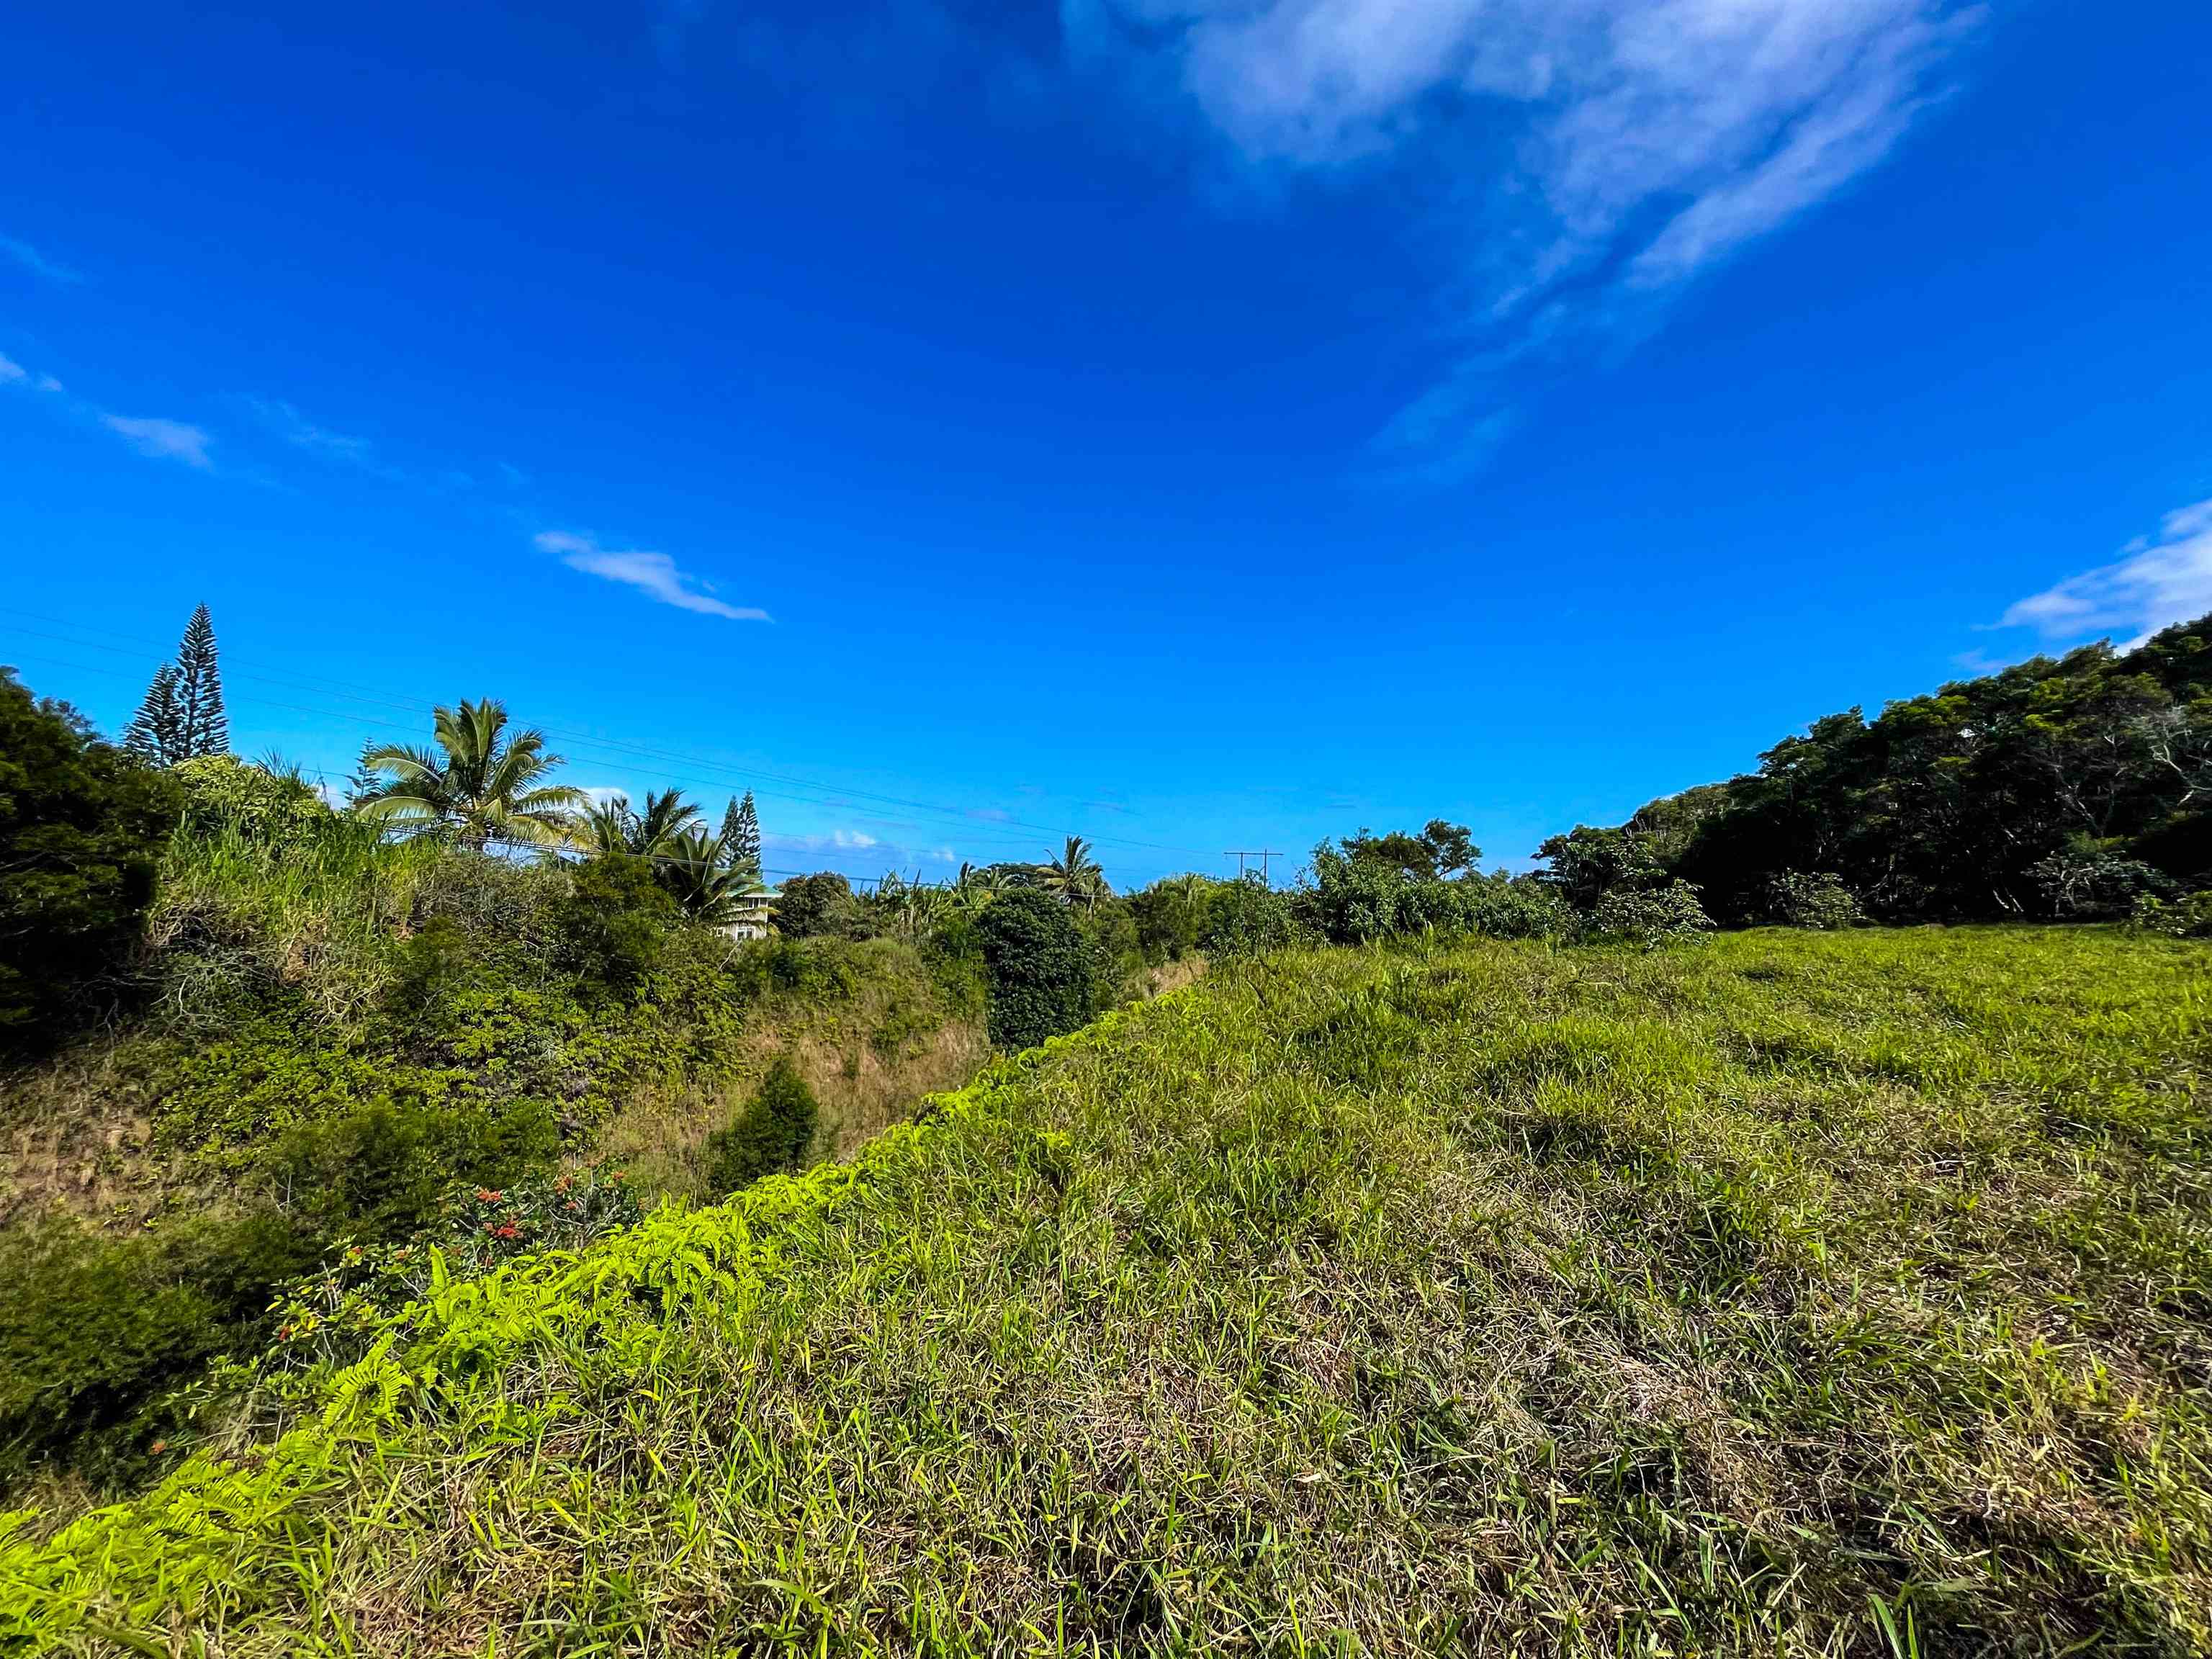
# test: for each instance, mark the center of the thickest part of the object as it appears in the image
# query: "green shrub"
(223, 792)
(2090, 883)
(811, 905)
(774, 1132)
(615, 920)
(2182, 918)
(1651, 917)
(381, 1171)
(1819, 901)
(1244, 918)
(81, 827)
(1039, 969)
(96, 1332)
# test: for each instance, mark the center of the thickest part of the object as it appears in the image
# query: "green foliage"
(1441, 849)
(1817, 900)
(1169, 916)
(812, 906)
(1372, 887)
(741, 836)
(1765, 1298)
(2184, 918)
(181, 717)
(82, 825)
(773, 1132)
(615, 920)
(96, 1332)
(478, 784)
(1248, 917)
(1039, 969)
(380, 1170)
(2053, 788)
(335, 1315)
(1651, 916)
(222, 792)
(2084, 881)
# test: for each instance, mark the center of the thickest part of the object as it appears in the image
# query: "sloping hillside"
(1822, 1293)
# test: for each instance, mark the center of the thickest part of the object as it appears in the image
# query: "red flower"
(485, 1195)
(159, 1446)
(510, 1231)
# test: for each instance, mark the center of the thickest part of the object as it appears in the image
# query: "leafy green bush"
(1244, 918)
(2182, 918)
(809, 906)
(332, 1316)
(381, 1171)
(2090, 883)
(221, 791)
(96, 1331)
(615, 920)
(1169, 916)
(1819, 901)
(1039, 968)
(1651, 917)
(81, 827)
(774, 1132)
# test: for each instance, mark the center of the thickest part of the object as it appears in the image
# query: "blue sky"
(1199, 426)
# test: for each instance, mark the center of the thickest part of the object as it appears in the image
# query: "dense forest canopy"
(2067, 787)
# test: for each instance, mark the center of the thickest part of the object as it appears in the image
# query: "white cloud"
(654, 573)
(47, 383)
(296, 429)
(1590, 154)
(35, 262)
(2159, 580)
(171, 441)
(11, 371)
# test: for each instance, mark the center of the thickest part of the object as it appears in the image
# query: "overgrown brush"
(1801, 1292)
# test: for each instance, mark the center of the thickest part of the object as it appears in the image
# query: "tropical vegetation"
(1805, 1291)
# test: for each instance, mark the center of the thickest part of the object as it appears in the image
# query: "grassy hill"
(1790, 1292)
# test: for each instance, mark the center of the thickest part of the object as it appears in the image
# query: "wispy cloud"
(652, 573)
(302, 434)
(37, 262)
(1589, 155)
(168, 440)
(11, 371)
(2159, 580)
(991, 814)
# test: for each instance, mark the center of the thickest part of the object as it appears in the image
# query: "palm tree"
(695, 868)
(478, 784)
(612, 827)
(1074, 875)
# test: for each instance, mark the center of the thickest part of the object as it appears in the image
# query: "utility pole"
(1262, 854)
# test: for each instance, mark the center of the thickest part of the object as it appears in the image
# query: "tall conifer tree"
(741, 836)
(157, 735)
(199, 690)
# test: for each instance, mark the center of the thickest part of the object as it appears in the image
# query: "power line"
(1262, 854)
(717, 771)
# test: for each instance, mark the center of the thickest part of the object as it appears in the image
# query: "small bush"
(1039, 969)
(774, 1132)
(1820, 901)
(2182, 918)
(96, 1332)
(1651, 917)
(2090, 883)
(1247, 917)
(615, 920)
(381, 1171)
(332, 1316)
(223, 792)
(808, 907)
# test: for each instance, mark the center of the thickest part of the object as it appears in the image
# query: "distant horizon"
(1191, 427)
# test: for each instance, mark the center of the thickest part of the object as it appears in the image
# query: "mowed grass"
(1783, 1294)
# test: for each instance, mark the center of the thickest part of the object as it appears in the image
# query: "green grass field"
(1785, 1294)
